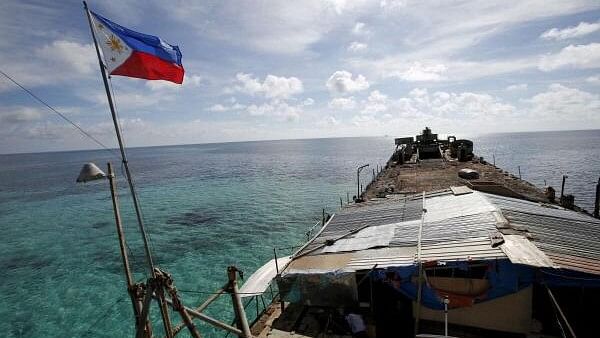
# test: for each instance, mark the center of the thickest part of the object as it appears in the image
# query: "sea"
(206, 207)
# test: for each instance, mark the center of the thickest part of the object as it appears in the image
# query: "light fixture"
(90, 172)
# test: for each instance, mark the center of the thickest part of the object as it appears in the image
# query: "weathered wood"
(241, 319)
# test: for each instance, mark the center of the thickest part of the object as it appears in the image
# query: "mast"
(161, 298)
(111, 105)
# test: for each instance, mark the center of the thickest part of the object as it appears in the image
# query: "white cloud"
(516, 87)
(563, 103)
(342, 103)
(376, 102)
(272, 87)
(70, 56)
(595, 79)
(278, 109)
(280, 27)
(420, 102)
(579, 56)
(57, 62)
(584, 28)
(357, 47)
(217, 108)
(329, 121)
(418, 71)
(360, 29)
(192, 80)
(436, 70)
(392, 4)
(308, 102)
(341, 82)
(18, 115)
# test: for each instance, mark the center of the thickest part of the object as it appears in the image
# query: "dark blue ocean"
(206, 207)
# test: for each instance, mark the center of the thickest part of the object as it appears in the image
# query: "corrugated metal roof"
(385, 257)
(570, 239)
(457, 227)
(463, 250)
(363, 215)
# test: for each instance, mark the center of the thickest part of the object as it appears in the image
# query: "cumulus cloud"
(19, 115)
(308, 102)
(218, 108)
(579, 56)
(516, 87)
(342, 103)
(329, 121)
(584, 28)
(418, 71)
(272, 87)
(278, 109)
(360, 28)
(357, 47)
(342, 82)
(392, 4)
(69, 55)
(564, 103)
(375, 103)
(420, 102)
(191, 80)
(595, 79)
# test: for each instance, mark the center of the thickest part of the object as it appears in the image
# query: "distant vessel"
(426, 252)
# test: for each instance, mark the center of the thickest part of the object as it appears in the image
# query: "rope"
(44, 103)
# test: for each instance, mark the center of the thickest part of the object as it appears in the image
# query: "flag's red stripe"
(147, 66)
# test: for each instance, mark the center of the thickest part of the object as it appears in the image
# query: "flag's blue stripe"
(143, 42)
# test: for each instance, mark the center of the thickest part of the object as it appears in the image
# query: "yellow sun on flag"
(115, 44)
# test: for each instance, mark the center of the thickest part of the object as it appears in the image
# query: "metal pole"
(275, 255)
(115, 202)
(597, 201)
(323, 218)
(562, 188)
(136, 205)
(519, 167)
(237, 302)
(357, 182)
(341, 203)
(420, 265)
(121, 147)
(446, 301)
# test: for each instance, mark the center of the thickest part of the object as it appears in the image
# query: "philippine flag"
(133, 54)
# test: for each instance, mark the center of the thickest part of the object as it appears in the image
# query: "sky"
(258, 70)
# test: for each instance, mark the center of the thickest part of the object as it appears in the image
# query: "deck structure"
(495, 249)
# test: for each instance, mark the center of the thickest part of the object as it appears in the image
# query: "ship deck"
(415, 176)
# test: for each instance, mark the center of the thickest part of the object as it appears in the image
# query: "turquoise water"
(206, 207)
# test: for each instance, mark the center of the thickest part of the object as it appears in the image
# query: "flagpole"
(136, 205)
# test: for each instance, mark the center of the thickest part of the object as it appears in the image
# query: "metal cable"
(102, 317)
(44, 103)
